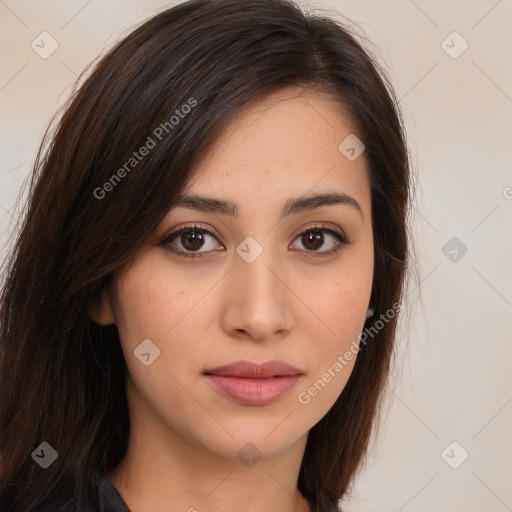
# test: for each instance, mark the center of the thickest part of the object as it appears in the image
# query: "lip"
(252, 383)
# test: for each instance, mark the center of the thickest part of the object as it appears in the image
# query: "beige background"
(453, 379)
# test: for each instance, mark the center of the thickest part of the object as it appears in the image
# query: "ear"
(102, 312)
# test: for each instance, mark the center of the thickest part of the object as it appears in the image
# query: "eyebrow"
(292, 206)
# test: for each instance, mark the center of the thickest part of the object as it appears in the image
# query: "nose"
(258, 299)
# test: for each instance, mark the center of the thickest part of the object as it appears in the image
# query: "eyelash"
(341, 241)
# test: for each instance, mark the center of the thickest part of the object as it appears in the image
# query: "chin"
(246, 438)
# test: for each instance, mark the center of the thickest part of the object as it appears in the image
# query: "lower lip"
(254, 391)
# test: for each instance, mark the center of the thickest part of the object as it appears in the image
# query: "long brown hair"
(62, 377)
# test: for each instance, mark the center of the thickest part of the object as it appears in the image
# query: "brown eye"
(192, 240)
(315, 238)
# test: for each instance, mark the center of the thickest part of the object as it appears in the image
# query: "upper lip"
(255, 370)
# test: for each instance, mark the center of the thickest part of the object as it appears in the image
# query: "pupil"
(312, 238)
(192, 240)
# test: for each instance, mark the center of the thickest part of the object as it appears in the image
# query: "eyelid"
(189, 227)
(166, 240)
(324, 226)
(341, 239)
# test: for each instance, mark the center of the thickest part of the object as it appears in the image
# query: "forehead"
(284, 144)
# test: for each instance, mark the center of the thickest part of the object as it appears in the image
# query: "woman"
(200, 310)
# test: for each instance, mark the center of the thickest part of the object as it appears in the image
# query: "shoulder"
(66, 501)
(109, 497)
(105, 498)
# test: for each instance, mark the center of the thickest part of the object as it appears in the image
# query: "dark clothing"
(106, 499)
(110, 497)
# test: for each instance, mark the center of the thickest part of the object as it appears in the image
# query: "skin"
(205, 312)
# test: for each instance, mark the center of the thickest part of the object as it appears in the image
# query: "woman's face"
(275, 281)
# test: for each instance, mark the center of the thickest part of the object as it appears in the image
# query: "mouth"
(254, 384)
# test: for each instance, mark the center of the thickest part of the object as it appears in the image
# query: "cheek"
(341, 299)
(151, 306)
(153, 302)
(332, 357)
(154, 305)
(339, 308)
(171, 309)
(344, 304)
